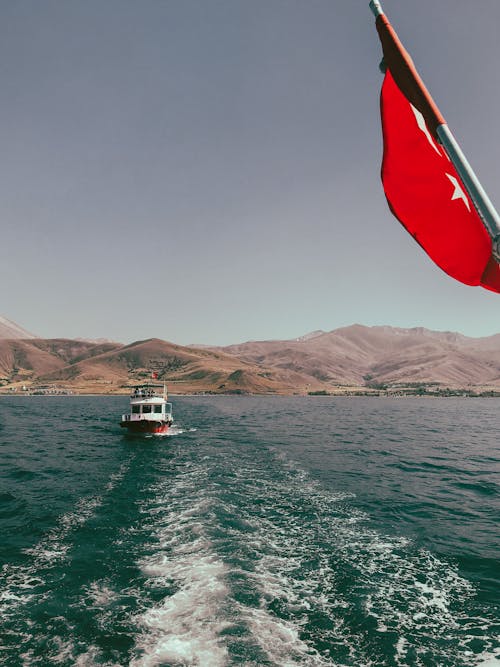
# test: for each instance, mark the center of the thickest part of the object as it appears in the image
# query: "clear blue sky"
(208, 170)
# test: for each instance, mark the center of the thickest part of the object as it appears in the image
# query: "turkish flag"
(427, 196)
(423, 188)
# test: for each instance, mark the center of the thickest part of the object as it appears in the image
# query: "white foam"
(489, 659)
(100, 594)
(185, 627)
(280, 640)
(175, 430)
(401, 648)
(411, 594)
(63, 652)
(432, 597)
(91, 658)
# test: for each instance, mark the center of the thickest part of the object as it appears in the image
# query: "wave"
(31, 583)
(335, 565)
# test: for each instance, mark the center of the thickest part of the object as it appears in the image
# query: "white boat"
(150, 412)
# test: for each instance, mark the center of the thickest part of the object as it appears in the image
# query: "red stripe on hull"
(145, 426)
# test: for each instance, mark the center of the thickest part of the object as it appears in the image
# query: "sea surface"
(265, 531)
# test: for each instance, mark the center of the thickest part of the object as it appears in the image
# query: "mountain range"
(351, 358)
(9, 329)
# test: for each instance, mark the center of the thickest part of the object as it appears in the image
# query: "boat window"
(146, 408)
(136, 409)
(157, 408)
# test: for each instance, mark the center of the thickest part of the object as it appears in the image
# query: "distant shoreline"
(349, 394)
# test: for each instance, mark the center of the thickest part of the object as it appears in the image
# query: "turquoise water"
(263, 531)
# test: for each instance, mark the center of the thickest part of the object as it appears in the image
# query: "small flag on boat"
(429, 185)
(154, 375)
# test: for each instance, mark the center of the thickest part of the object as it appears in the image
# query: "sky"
(208, 171)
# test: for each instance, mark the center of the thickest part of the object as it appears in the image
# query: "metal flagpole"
(480, 199)
(376, 8)
(487, 212)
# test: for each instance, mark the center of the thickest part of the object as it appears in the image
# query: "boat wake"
(254, 563)
(185, 627)
(251, 562)
(323, 573)
(209, 554)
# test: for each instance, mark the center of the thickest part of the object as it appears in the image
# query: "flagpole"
(376, 8)
(487, 212)
(484, 206)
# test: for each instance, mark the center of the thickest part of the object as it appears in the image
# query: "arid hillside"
(87, 367)
(360, 355)
(342, 360)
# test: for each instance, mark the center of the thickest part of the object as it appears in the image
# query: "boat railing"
(144, 393)
(149, 416)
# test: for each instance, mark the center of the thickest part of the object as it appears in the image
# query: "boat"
(150, 412)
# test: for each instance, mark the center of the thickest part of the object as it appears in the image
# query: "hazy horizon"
(209, 172)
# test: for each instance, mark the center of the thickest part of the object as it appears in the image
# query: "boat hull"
(145, 427)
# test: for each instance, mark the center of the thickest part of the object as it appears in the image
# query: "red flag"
(423, 188)
(154, 375)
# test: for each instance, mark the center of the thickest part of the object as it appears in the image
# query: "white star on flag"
(458, 193)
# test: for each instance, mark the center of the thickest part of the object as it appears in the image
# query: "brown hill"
(29, 360)
(188, 369)
(84, 366)
(362, 355)
(354, 356)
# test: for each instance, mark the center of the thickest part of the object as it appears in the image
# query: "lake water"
(263, 531)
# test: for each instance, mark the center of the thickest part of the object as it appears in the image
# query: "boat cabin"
(148, 405)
